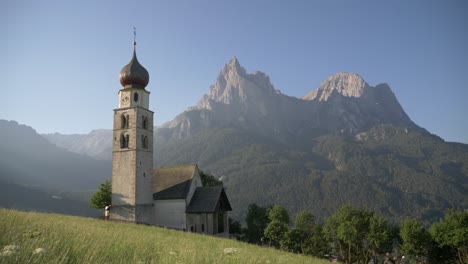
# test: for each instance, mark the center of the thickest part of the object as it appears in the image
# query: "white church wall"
(170, 213)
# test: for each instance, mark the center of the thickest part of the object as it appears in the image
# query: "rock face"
(347, 103)
(345, 84)
(343, 103)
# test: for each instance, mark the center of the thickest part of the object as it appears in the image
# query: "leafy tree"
(347, 228)
(304, 221)
(256, 222)
(209, 180)
(416, 240)
(452, 232)
(379, 237)
(277, 229)
(103, 197)
(307, 237)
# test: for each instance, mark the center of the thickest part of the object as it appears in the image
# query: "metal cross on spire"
(134, 36)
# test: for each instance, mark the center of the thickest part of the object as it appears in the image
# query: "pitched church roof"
(209, 200)
(167, 177)
(178, 191)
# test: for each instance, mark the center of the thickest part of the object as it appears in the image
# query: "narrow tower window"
(124, 120)
(144, 141)
(124, 141)
(145, 122)
(135, 97)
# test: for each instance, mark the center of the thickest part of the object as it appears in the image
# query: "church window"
(124, 141)
(135, 97)
(145, 122)
(124, 120)
(144, 174)
(144, 141)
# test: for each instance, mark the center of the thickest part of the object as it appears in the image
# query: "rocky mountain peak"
(346, 84)
(235, 86)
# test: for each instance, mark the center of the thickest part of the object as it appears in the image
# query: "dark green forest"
(353, 235)
(395, 171)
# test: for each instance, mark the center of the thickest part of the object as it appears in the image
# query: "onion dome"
(133, 75)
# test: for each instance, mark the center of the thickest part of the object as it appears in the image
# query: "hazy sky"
(60, 60)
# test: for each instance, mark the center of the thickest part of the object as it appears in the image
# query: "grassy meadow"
(70, 239)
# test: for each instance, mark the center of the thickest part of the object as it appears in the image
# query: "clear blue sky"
(60, 60)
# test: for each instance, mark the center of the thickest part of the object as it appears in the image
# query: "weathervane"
(134, 36)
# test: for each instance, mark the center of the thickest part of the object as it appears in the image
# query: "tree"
(452, 232)
(278, 227)
(416, 240)
(305, 222)
(209, 180)
(379, 237)
(309, 235)
(103, 197)
(256, 222)
(347, 229)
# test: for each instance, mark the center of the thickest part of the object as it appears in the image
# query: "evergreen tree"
(103, 197)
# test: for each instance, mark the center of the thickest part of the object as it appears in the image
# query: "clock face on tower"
(125, 100)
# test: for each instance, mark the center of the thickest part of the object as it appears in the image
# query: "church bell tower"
(132, 148)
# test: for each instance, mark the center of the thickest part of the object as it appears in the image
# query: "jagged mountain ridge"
(345, 142)
(345, 103)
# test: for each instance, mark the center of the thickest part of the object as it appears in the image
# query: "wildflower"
(230, 250)
(9, 250)
(41, 251)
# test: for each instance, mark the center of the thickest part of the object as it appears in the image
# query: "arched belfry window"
(124, 140)
(135, 97)
(124, 120)
(145, 122)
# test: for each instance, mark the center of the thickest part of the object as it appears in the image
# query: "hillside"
(29, 159)
(344, 142)
(37, 175)
(85, 240)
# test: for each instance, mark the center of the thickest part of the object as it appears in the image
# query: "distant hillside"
(84, 240)
(29, 159)
(18, 197)
(344, 142)
(91, 144)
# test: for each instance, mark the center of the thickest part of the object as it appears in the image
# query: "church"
(172, 197)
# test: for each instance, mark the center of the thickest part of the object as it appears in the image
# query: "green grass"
(72, 239)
